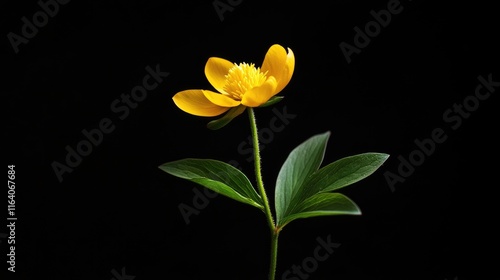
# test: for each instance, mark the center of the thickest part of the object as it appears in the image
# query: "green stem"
(258, 174)
(274, 254)
(262, 191)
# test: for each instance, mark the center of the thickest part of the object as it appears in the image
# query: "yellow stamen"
(242, 78)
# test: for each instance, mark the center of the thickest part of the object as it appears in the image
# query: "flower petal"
(194, 102)
(275, 61)
(287, 72)
(220, 99)
(216, 70)
(260, 95)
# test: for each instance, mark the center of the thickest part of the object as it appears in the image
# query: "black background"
(116, 210)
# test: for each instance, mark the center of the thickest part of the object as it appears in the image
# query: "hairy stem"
(262, 192)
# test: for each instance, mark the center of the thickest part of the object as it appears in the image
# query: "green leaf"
(273, 100)
(303, 189)
(342, 173)
(336, 175)
(323, 204)
(217, 176)
(227, 118)
(303, 161)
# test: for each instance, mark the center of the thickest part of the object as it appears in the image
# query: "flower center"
(242, 78)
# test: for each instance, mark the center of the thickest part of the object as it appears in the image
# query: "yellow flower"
(238, 85)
